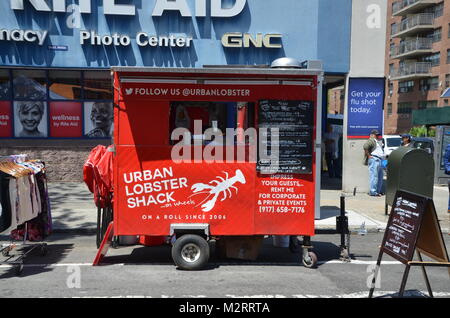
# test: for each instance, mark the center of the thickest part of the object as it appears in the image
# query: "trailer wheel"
(310, 261)
(190, 252)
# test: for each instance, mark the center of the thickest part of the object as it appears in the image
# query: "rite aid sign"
(110, 7)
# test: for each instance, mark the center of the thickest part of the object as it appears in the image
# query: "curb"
(319, 230)
(353, 230)
(85, 231)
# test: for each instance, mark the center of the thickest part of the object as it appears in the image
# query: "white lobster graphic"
(223, 187)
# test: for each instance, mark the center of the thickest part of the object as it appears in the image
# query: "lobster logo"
(215, 188)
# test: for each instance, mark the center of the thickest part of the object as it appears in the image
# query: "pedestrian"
(331, 152)
(406, 140)
(373, 157)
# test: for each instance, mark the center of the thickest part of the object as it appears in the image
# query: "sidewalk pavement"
(73, 208)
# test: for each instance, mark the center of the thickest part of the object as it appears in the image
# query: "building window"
(439, 10)
(65, 85)
(427, 104)
(392, 50)
(393, 28)
(448, 35)
(391, 69)
(30, 84)
(389, 109)
(405, 87)
(404, 108)
(97, 85)
(429, 84)
(5, 85)
(434, 59)
(448, 56)
(436, 35)
(447, 80)
(62, 104)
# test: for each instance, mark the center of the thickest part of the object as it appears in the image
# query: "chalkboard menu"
(403, 227)
(294, 139)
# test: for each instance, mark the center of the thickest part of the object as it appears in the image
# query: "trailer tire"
(190, 252)
(311, 261)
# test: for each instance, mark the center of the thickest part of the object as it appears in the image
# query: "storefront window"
(77, 104)
(65, 85)
(30, 84)
(5, 85)
(97, 85)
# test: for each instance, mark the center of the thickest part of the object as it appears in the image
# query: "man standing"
(406, 140)
(373, 157)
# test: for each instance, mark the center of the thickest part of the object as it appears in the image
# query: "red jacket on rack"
(98, 175)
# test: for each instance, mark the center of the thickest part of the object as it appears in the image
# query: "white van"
(391, 142)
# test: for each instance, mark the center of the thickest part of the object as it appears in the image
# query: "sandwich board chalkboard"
(413, 227)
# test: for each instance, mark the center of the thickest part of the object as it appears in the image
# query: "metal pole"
(430, 292)
(375, 274)
(404, 279)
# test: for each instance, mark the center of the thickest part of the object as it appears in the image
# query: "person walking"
(373, 157)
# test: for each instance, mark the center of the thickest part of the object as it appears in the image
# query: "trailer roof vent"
(286, 62)
(291, 63)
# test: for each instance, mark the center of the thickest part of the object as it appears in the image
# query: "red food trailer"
(187, 166)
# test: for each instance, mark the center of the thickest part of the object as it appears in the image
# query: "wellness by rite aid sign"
(75, 13)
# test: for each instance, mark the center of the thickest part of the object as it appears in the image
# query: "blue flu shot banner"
(365, 106)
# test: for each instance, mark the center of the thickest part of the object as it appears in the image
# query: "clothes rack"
(28, 234)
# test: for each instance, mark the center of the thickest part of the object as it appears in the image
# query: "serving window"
(199, 117)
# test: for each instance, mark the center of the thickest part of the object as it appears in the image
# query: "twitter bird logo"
(129, 91)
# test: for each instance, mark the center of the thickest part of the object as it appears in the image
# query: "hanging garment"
(41, 226)
(5, 204)
(14, 205)
(93, 176)
(88, 168)
(104, 174)
(46, 213)
(26, 211)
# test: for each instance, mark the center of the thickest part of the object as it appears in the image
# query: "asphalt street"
(137, 271)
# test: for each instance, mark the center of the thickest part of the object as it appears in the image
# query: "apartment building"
(417, 60)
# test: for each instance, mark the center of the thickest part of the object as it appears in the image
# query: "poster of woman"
(98, 119)
(30, 119)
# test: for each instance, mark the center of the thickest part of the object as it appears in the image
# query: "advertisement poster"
(365, 106)
(30, 120)
(5, 120)
(65, 120)
(98, 119)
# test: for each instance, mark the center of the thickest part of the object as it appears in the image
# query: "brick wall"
(64, 158)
